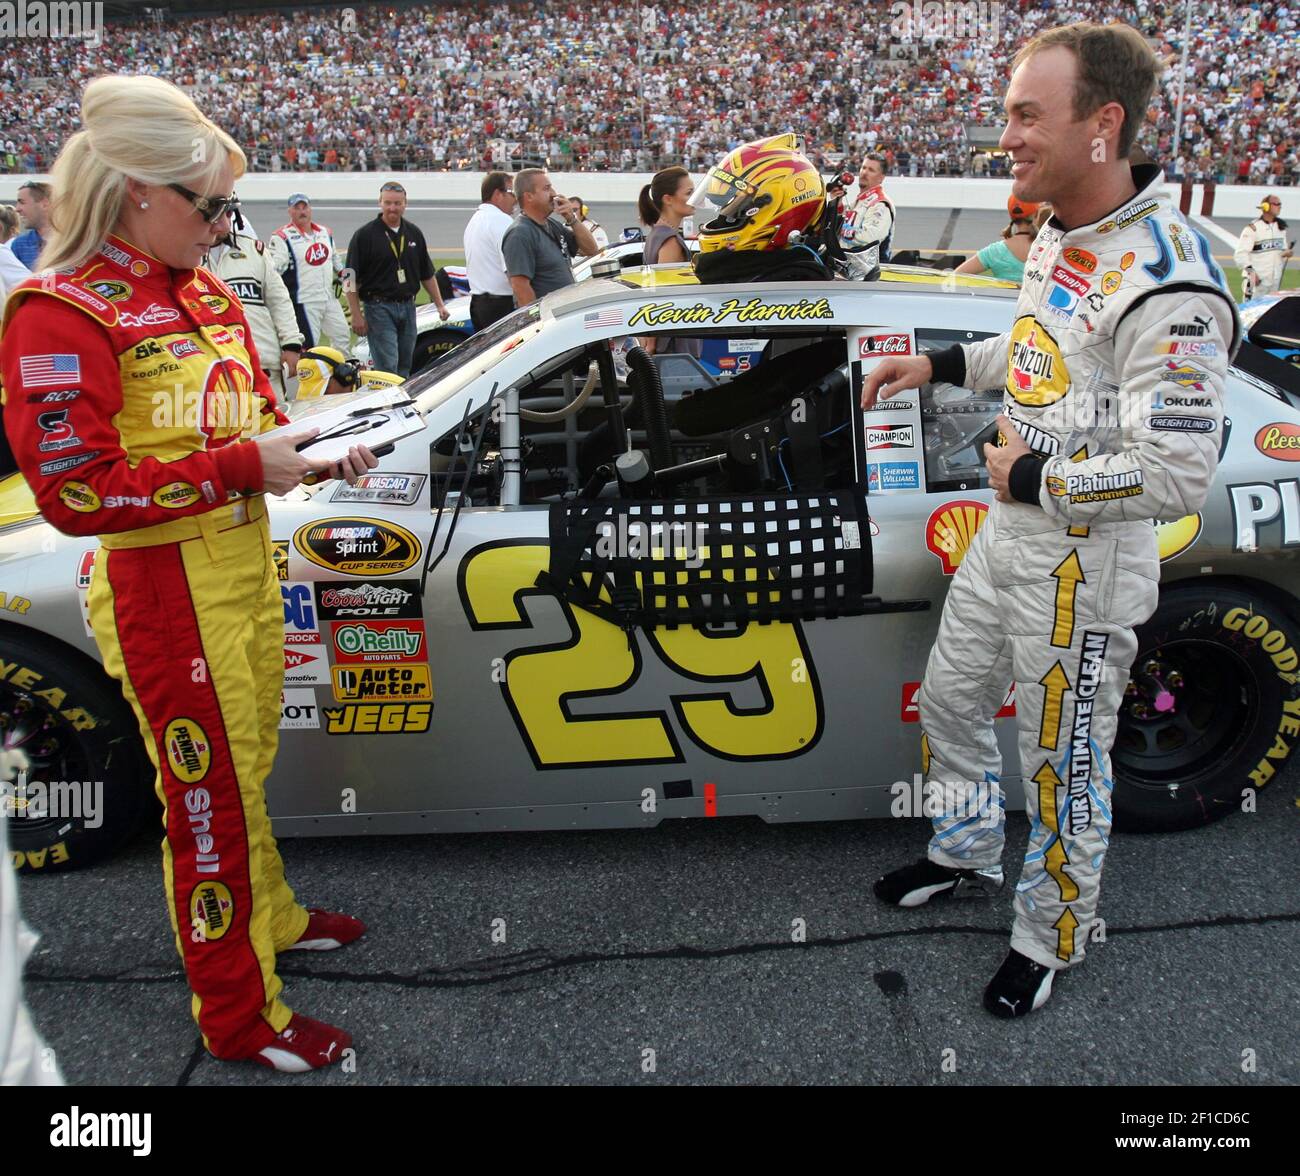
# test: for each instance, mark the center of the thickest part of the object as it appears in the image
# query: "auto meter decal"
(1036, 374)
(1280, 441)
(1175, 537)
(358, 546)
(379, 641)
(382, 684)
(950, 530)
(339, 601)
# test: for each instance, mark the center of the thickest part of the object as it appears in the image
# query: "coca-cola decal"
(874, 346)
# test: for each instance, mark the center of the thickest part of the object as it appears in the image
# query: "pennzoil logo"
(1036, 374)
(188, 750)
(79, 497)
(358, 546)
(176, 495)
(212, 910)
(951, 529)
(1280, 441)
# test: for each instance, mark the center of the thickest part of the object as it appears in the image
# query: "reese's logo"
(1280, 441)
(358, 546)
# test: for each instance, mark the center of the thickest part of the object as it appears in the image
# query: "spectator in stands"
(490, 293)
(1005, 258)
(538, 251)
(34, 208)
(389, 262)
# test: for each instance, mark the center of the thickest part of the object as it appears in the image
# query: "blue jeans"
(391, 327)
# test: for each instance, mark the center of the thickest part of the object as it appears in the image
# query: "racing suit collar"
(135, 263)
(1149, 181)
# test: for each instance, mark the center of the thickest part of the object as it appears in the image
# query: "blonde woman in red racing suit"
(138, 411)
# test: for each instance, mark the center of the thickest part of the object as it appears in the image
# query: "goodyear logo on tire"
(188, 750)
(212, 910)
(1036, 374)
(176, 495)
(358, 547)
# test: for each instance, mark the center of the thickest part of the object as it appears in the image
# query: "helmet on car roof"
(758, 195)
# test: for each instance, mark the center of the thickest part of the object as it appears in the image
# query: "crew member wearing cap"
(390, 262)
(304, 256)
(1005, 257)
(1263, 251)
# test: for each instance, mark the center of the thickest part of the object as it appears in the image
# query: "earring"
(144, 204)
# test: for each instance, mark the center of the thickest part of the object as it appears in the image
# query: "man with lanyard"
(868, 228)
(1113, 416)
(389, 262)
(490, 296)
(1263, 251)
(304, 255)
(538, 252)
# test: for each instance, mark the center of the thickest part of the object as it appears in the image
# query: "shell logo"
(1036, 374)
(1176, 537)
(951, 529)
(227, 406)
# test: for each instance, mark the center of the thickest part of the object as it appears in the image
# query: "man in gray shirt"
(538, 252)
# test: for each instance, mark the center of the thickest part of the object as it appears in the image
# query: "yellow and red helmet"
(759, 195)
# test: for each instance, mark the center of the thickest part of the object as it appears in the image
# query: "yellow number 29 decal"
(541, 681)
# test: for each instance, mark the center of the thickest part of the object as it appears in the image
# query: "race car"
(580, 599)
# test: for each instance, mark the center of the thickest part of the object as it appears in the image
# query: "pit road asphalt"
(680, 940)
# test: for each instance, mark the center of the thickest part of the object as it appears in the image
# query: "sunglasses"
(210, 208)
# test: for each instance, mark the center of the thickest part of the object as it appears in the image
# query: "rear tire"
(1230, 655)
(434, 345)
(62, 720)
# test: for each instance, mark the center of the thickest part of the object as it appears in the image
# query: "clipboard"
(374, 419)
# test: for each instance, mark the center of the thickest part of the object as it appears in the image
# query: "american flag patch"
(602, 318)
(50, 370)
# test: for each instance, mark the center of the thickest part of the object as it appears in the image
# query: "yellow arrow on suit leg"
(1068, 575)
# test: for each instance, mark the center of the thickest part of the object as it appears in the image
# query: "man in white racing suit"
(242, 263)
(1263, 251)
(306, 259)
(867, 231)
(1113, 374)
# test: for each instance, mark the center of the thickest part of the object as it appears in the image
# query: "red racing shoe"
(327, 930)
(305, 1044)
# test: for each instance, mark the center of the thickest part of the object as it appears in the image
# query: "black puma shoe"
(921, 881)
(1020, 987)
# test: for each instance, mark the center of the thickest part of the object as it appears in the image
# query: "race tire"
(64, 721)
(1229, 654)
(434, 345)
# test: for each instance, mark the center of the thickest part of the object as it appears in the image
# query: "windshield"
(479, 353)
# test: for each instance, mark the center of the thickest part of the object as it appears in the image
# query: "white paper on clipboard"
(374, 419)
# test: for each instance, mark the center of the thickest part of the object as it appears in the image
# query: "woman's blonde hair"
(8, 221)
(138, 127)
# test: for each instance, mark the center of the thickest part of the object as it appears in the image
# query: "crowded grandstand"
(607, 87)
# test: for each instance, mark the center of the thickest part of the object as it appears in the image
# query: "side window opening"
(956, 422)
